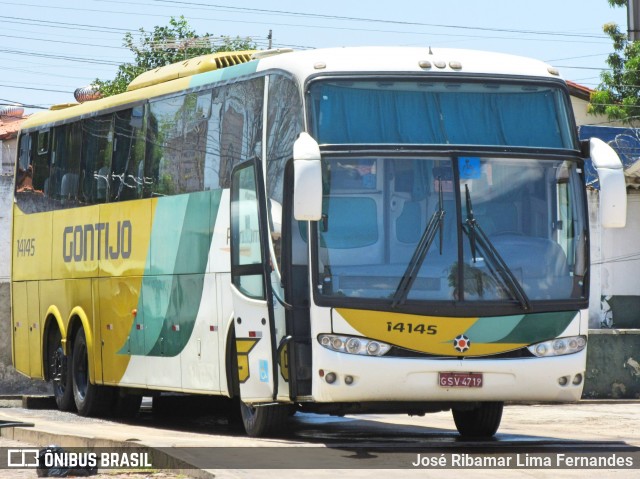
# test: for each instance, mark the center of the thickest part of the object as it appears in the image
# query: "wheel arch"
(233, 388)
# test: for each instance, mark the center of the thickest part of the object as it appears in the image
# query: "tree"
(618, 95)
(163, 46)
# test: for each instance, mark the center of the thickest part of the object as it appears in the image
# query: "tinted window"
(97, 148)
(127, 172)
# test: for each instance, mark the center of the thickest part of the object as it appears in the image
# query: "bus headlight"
(559, 347)
(353, 345)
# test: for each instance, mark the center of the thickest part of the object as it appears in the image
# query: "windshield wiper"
(435, 225)
(477, 237)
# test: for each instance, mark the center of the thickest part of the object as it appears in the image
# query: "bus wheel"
(90, 399)
(481, 421)
(59, 372)
(264, 420)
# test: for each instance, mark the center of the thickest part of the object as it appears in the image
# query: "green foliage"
(618, 95)
(163, 46)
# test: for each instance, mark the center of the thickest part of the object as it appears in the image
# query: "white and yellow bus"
(337, 231)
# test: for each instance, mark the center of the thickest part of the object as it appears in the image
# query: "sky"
(48, 48)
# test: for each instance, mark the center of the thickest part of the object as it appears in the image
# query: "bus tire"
(264, 420)
(90, 399)
(482, 421)
(59, 367)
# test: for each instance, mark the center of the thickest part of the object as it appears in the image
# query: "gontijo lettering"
(97, 241)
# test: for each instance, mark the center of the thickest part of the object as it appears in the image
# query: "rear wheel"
(59, 372)
(480, 421)
(90, 399)
(264, 420)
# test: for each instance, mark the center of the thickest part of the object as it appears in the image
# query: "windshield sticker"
(470, 168)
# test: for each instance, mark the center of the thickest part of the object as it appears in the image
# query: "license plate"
(460, 380)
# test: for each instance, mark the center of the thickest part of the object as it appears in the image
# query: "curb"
(33, 436)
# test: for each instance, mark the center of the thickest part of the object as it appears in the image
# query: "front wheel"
(90, 399)
(481, 421)
(264, 420)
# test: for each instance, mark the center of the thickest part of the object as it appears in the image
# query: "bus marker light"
(331, 378)
(139, 327)
(424, 64)
(440, 64)
(348, 380)
(577, 379)
(353, 345)
(455, 65)
(175, 327)
(321, 373)
(562, 381)
(559, 347)
(212, 328)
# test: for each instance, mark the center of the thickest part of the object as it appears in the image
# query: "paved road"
(587, 428)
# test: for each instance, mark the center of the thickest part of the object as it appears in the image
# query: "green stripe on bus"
(540, 327)
(493, 329)
(172, 287)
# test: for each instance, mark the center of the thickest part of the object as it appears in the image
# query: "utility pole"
(270, 38)
(633, 20)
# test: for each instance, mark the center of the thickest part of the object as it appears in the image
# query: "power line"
(278, 12)
(60, 57)
(57, 24)
(60, 41)
(20, 104)
(351, 28)
(369, 20)
(32, 88)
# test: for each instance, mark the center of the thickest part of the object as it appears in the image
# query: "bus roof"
(406, 59)
(303, 64)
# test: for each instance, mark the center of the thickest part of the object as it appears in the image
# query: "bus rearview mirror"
(613, 191)
(307, 183)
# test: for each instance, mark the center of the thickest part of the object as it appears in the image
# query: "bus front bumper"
(362, 378)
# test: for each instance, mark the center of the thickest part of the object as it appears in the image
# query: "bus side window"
(97, 147)
(127, 176)
(24, 171)
(41, 160)
(212, 147)
(164, 146)
(284, 124)
(196, 115)
(240, 123)
(65, 163)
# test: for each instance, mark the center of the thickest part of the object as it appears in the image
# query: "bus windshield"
(394, 111)
(452, 229)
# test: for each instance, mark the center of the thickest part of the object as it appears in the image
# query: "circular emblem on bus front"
(461, 343)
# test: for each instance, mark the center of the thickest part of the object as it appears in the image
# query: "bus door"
(253, 314)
